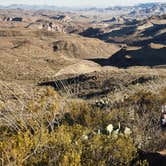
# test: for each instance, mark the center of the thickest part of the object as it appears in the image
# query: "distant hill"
(36, 7)
(143, 6)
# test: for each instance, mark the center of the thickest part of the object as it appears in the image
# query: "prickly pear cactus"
(115, 133)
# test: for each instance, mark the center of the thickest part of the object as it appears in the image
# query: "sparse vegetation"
(50, 136)
(76, 134)
(80, 89)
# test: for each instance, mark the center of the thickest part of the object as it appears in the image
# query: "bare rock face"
(62, 18)
(7, 19)
(16, 19)
(52, 27)
(46, 25)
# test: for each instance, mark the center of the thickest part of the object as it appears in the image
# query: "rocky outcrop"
(46, 25)
(17, 19)
(62, 18)
(51, 27)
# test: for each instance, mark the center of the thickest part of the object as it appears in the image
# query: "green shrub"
(74, 141)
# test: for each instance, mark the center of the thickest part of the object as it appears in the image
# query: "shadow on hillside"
(161, 39)
(82, 86)
(153, 30)
(149, 35)
(145, 56)
(91, 32)
(98, 33)
(154, 159)
(125, 31)
(62, 83)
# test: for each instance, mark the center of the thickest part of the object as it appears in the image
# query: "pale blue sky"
(98, 3)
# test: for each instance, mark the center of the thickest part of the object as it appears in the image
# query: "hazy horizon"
(79, 3)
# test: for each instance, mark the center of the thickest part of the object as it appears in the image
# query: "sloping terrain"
(114, 83)
(143, 42)
(112, 63)
(134, 33)
(28, 56)
(152, 55)
(24, 53)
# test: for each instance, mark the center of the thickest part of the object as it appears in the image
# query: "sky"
(77, 3)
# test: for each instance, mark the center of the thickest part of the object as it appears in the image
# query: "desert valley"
(83, 86)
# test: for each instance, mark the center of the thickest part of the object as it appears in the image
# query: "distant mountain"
(49, 7)
(147, 5)
(35, 7)
(144, 9)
